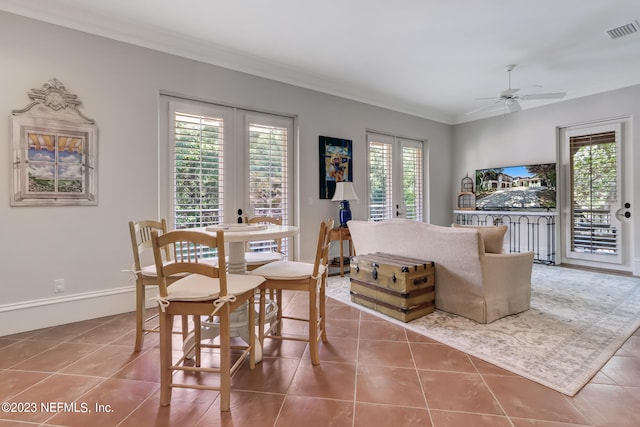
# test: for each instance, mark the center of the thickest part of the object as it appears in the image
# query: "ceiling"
(430, 58)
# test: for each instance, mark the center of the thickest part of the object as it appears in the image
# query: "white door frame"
(622, 262)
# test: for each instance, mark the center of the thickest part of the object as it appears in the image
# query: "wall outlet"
(58, 285)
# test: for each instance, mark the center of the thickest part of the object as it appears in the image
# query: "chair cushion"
(286, 270)
(150, 270)
(259, 258)
(492, 236)
(196, 287)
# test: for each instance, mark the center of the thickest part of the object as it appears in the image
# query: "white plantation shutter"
(198, 178)
(593, 177)
(269, 188)
(268, 171)
(380, 178)
(412, 182)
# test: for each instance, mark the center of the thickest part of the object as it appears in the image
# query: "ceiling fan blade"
(508, 93)
(486, 107)
(513, 106)
(508, 98)
(543, 95)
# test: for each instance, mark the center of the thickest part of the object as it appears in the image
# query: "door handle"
(626, 214)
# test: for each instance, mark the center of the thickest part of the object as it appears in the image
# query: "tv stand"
(528, 230)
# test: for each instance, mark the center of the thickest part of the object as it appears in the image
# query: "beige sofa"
(469, 282)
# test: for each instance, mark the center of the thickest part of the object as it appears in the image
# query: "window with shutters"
(198, 178)
(412, 185)
(268, 174)
(380, 181)
(227, 164)
(593, 175)
(396, 177)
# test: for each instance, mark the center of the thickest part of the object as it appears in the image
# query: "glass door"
(396, 177)
(593, 222)
(225, 164)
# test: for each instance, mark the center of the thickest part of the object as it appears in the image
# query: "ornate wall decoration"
(54, 152)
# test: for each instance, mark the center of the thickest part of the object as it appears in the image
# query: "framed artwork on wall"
(336, 164)
(54, 151)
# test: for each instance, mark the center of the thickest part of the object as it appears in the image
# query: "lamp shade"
(344, 191)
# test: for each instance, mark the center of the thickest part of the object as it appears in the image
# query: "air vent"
(624, 30)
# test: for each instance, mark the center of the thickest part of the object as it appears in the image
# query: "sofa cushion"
(492, 236)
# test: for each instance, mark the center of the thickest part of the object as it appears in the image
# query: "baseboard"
(596, 269)
(43, 313)
(635, 267)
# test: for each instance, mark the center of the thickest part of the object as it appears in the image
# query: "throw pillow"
(492, 236)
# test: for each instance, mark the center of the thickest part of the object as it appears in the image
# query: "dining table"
(236, 237)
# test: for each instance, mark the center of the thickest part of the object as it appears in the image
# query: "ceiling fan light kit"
(509, 98)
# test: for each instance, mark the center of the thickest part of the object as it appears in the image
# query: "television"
(524, 187)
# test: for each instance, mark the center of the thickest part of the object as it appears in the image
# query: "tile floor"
(373, 373)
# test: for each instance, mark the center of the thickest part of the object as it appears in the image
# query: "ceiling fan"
(509, 97)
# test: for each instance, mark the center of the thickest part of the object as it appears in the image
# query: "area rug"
(577, 321)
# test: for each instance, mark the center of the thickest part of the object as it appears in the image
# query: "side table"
(341, 234)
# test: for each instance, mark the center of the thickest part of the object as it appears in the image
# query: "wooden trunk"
(400, 287)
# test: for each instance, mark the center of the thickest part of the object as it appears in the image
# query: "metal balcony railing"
(528, 231)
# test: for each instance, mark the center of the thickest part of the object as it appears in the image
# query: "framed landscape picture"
(54, 151)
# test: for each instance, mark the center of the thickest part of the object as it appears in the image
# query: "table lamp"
(344, 192)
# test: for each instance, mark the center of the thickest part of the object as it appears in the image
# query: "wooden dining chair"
(144, 270)
(257, 258)
(206, 290)
(298, 276)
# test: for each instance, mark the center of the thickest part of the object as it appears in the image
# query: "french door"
(225, 164)
(395, 177)
(595, 209)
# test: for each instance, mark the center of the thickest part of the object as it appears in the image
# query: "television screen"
(526, 187)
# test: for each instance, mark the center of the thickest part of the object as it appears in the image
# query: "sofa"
(470, 281)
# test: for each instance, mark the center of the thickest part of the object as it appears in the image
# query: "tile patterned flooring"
(373, 373)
